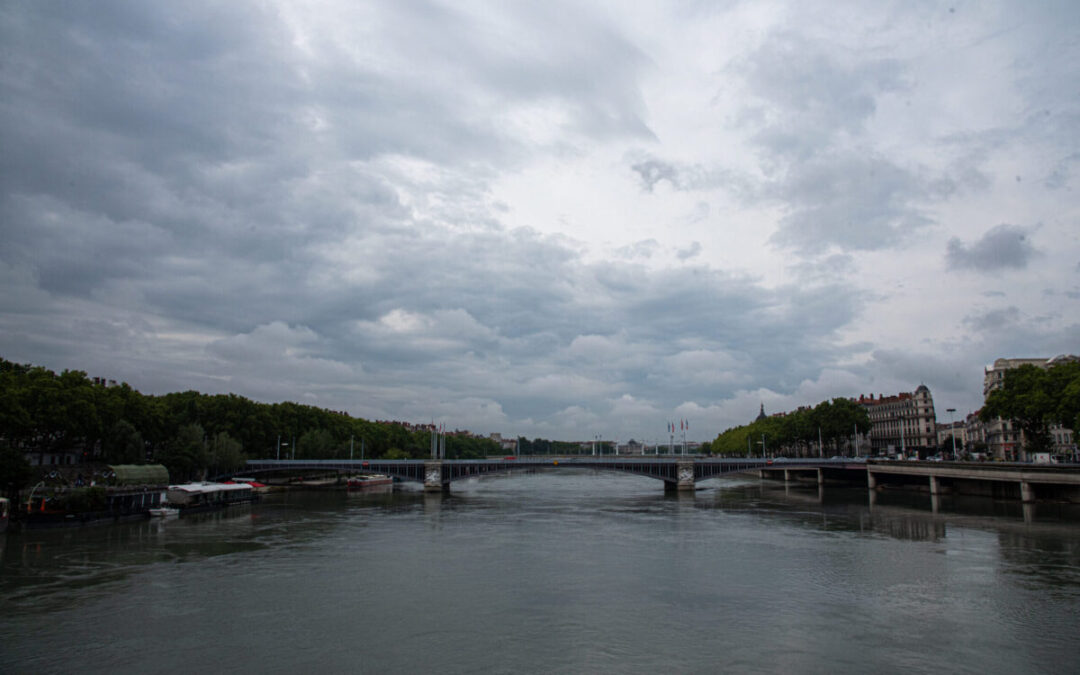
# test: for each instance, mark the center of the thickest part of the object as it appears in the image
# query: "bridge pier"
(1027, 492)
(820, 477)
(684, 470)
(935, 487)
(871, 482)
(433, 481)
(787, 475)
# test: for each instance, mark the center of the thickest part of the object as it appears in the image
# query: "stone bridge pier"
(433, 480)
(684, 476)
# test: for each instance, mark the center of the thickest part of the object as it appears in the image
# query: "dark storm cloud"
(1000, 248)
(807, 101)
(812, 92)
(230, 198)
(192, 149)
(814, 98)
(946, 374)
(849, 201)
(993, 320)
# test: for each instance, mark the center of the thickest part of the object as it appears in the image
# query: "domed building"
(904, 423)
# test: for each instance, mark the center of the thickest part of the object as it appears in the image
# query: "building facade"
(1004, 439)
(905, 423)
(951, 436)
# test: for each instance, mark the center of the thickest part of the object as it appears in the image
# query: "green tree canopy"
(797, 432)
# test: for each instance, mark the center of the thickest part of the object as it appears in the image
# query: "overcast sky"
(541, 218)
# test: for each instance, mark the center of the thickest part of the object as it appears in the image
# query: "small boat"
(365, 481)
(164, 512)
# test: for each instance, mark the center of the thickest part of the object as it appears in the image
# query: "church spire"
(761, 415)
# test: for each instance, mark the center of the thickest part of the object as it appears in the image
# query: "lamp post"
(903, 446)
(952, 431)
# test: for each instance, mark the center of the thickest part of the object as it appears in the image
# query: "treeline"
(191, 433)
(543, 446)
(796, 434)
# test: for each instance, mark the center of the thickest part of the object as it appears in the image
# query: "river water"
(555, 573)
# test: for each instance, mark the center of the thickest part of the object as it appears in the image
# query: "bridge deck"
(681, 472)
(661, 468)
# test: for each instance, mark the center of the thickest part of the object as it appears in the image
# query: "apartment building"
(905, 423)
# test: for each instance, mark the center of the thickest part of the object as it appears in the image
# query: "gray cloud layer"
(233, 197)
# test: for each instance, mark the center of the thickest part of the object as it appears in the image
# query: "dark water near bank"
(555, 573)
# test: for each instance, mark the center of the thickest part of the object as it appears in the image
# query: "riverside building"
(904, 423)
(1004, 438)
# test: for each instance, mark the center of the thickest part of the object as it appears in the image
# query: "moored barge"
(200, 497)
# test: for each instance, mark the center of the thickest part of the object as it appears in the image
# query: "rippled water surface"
(555, 573)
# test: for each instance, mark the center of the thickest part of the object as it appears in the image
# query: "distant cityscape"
(901, 424)
(905, 423)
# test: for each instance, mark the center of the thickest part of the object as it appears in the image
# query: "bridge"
(677, 473)
(1025, 482)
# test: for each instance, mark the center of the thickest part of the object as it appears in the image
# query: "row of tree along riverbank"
(43, 413)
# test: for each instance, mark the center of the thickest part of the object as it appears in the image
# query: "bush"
(83, 500)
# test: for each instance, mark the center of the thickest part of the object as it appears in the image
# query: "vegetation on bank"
(191, 433)
(796, 434)
(1036, 398)
(542, 446)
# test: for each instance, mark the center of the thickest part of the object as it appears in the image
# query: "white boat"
(164, 512)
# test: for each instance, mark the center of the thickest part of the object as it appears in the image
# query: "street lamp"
(952, 431)
(903, 446)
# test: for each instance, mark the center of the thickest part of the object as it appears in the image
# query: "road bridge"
(677, 473)
(1026, 482)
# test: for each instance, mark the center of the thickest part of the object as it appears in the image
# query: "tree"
(185, 455)
(1030, 397)
(15, 472)
(225, 454)
(124, 444)
(315, 444)
(1065, 385)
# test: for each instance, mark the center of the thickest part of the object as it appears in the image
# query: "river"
(555, 573)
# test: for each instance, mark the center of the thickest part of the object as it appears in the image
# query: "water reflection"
(900, 515)
(621, 575)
